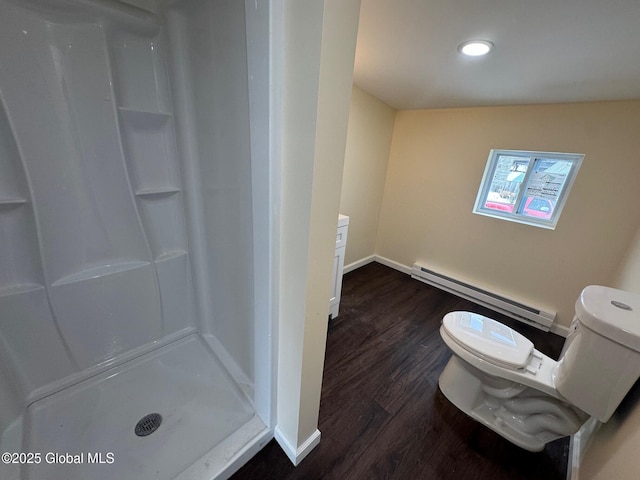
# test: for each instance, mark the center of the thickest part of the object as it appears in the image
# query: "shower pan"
(134, 320)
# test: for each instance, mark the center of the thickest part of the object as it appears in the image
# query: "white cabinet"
(338, 265)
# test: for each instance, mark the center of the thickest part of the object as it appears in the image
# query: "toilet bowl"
(497, 377)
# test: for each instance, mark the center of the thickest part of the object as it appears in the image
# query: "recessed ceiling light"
(475, 48)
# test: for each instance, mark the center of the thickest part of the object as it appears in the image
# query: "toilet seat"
(489, 339)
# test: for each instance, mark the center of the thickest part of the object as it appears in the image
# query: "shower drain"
(148, 424)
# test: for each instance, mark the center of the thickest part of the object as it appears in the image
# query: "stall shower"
(134, 219)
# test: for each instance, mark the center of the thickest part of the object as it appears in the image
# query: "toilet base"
(526, 417)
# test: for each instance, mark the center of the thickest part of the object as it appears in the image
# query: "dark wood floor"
(382, 414)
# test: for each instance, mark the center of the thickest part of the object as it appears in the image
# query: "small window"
(527, 187)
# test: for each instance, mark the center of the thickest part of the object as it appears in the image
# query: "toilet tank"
(600, 360)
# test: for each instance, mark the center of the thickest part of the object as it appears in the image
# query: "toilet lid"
(489, 339)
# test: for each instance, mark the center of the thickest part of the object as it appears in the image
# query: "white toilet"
(497, 377)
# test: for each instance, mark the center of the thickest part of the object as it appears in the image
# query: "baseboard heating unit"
(525, 313)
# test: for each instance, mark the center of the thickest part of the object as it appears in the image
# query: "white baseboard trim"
(578, 446)
(296, 455)
(559, 330)
(391, 264)
(360, 263)
(377, 258)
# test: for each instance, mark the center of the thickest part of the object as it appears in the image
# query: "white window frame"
(533, 157)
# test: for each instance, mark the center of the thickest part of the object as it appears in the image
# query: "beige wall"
(436, 163)
(317, 72)
(613, 452)
(339, 30)
(628, 275)
(301, 65)
(365, 169)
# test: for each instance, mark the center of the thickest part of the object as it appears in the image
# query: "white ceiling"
(546, 51)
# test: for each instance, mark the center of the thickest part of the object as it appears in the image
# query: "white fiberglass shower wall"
(133, 236)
